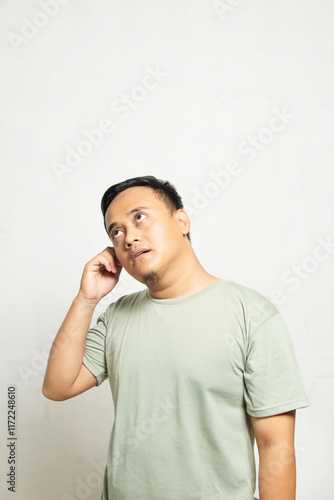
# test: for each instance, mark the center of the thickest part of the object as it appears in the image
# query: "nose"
(132, 236)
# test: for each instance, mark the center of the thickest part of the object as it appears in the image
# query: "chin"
(151, 279)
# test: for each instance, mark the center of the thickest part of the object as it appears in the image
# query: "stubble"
(151, 279)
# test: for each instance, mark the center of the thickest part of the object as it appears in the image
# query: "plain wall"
(240, 119)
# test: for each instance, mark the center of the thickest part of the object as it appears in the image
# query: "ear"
(183, 221)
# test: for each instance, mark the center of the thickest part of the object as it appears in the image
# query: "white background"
(228, 71)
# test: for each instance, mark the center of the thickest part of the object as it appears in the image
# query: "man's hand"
(275, 441)
(100, 276)
(66, 375)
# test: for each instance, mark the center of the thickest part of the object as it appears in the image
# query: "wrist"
(88, 304)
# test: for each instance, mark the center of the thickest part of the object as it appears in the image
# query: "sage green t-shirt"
(186, 375)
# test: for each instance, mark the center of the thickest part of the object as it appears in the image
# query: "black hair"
(163, 189)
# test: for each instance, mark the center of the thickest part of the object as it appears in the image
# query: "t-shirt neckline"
(183, 300)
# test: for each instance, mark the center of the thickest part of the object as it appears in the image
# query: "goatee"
(151, 279)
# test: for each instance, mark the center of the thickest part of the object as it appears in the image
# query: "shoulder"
(125, 303)
(256, 306)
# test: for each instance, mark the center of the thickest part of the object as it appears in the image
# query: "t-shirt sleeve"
(273, 382)
(94, 356)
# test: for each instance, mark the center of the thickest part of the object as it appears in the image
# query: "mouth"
(139, 255)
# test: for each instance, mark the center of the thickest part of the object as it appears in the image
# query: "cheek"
(162, 242)
(169, 237)
(121, 255)
(164, 231)
(120, 258)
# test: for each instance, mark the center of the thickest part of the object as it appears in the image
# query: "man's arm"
(66, 376)
(277, 465)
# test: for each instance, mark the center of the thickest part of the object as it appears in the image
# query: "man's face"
(138, 221)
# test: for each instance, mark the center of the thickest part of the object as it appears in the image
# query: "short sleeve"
(94, 356)
(273, 382)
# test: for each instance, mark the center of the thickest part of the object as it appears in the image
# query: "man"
(197, 365)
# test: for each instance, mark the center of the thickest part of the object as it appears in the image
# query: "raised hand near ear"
(100, 276)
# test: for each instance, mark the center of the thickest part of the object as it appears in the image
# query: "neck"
(184, 280)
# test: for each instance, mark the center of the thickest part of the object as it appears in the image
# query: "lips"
(138, 253)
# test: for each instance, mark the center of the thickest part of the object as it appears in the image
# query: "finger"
(112, 252)
(106, 261)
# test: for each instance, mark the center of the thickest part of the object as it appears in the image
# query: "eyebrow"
(134, 210)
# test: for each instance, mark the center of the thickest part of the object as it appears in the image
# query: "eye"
(114, 233)
(115, 236)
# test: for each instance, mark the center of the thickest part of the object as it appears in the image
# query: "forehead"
(131, 198)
